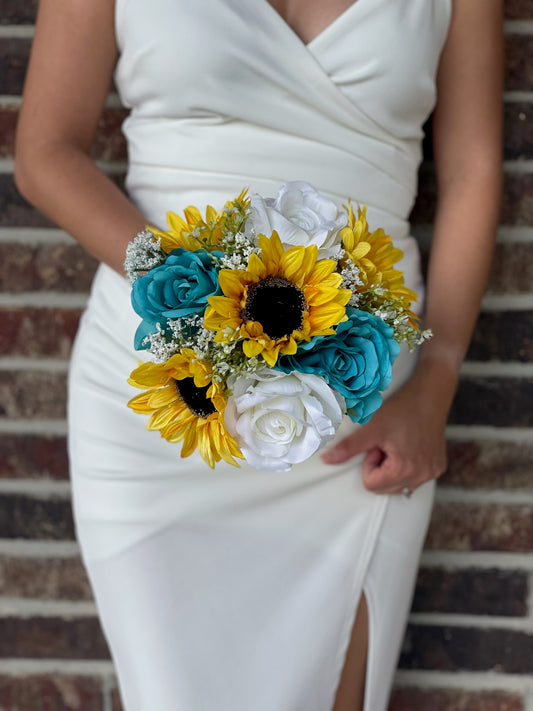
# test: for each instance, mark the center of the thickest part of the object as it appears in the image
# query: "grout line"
(477, 559)
(17, 31)
(507, 302)
(518, 27)
(518, 166)
(514, 97)
(20, 548)
(441, 619)
(27, 608)
(455, 495)
(522, 435)
(54, 365)
(108, 685)
(44, 299)
(41, 488)
(469, 681)
(34, 427)
(27, 667)
(497, 369)
(34, 236)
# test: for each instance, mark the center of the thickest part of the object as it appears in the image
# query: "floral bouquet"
(267, 323)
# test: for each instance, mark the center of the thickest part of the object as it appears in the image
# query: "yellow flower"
(185, 404)
(194, 232)
(374, 254)
(284, 296)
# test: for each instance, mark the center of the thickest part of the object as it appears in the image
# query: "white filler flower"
(280, 419)
(301, 216)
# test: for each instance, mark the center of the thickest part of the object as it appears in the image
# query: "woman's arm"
(70, 72)
(405, 438)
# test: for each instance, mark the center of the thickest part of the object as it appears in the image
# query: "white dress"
(236, 589)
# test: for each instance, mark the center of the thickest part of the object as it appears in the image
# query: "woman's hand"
(405, 439)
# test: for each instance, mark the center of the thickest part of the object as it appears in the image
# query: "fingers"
(363, 440)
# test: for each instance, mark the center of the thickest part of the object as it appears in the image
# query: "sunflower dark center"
(195, 398)
(277, 304)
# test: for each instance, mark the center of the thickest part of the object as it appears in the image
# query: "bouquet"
(266, 324)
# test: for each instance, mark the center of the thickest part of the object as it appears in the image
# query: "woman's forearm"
(461, 255)
(63, 182)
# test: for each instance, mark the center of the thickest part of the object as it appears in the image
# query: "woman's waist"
(222, 158)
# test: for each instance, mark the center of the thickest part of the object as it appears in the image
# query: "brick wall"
(469, 644)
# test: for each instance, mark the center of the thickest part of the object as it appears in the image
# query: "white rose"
(301, 216)
(279, 419)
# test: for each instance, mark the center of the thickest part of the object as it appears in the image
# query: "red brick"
(512, 269)
(412, 699)
(496, 402)
(472, 591)
(467, 649)
(57, 267)
(518, 63)
(52, 637)
(503, 335)
(32, 394)
(24, 456)
(518, 134)
(8, 122)
(44, 578)
(29, 518)
(36, 332)
(519, 9)
(52, 692)
(15, 12)
(117, 701)
(110, 143)
(14, 52)
(489, 465)
(481, 527)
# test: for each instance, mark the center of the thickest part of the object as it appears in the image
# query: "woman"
(234, 590)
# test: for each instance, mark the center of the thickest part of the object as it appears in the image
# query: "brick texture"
(486, 466)
(52, 692)
(478, 527)
(409, 699)
(25, 456)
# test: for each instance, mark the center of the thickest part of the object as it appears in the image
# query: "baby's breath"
(143, 253)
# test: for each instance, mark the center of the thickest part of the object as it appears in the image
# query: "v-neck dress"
(235, 589)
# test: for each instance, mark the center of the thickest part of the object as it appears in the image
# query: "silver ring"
(406, 491)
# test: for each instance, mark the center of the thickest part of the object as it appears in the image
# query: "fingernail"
(331, 456)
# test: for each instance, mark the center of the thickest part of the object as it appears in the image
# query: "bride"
(240, 590)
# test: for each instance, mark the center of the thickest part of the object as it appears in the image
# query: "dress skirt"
(230, 589)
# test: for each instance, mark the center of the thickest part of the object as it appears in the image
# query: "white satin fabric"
(236, 589)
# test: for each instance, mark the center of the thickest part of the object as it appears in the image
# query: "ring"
(406, 491)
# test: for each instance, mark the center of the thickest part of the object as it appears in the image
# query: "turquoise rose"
(176, 289)
(356, 361)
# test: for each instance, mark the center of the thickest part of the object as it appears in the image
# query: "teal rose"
(178, 288)
(356, 361)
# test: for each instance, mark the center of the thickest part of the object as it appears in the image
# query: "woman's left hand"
(405, 440)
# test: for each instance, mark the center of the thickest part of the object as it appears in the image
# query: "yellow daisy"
(283, 296)
(374, 254)
(185, 404)
(195, 232)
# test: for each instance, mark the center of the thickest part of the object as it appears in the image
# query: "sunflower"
(185, 404)
(195, 232)
(374, 254)
(283, 296)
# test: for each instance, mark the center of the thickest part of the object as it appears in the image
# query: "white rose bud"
(280, 419)
(301, 216)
